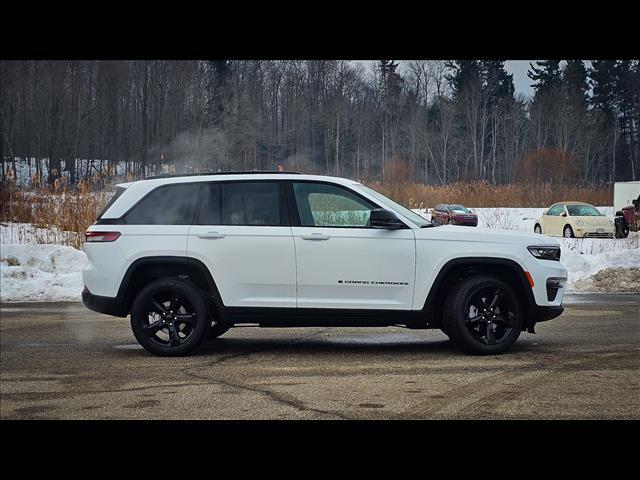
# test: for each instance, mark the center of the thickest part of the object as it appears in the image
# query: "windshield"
(459, 209)
(583, 211)
(404, 211)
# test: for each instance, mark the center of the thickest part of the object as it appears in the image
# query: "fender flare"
(125, 295)
(430, 302)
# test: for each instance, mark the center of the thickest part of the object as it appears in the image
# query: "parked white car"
(189, 257)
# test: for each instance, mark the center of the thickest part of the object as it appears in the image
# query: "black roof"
(255, 172)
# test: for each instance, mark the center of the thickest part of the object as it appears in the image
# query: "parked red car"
(628, 219)
(453, 215)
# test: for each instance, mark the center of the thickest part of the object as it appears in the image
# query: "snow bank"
(40, 273)
(622, 267)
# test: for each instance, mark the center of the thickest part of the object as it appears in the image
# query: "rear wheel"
(568, 232)
(483, 315)
(170, 317)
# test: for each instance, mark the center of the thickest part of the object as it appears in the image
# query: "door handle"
(211, 235)
(316, 236)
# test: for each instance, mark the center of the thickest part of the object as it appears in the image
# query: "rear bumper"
(107, 305)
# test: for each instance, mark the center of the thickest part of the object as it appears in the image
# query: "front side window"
(251, 203)
(167, 205)
(556, 210)
(325, 205)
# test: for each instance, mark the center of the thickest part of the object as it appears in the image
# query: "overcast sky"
(519, 69)
(521, 82)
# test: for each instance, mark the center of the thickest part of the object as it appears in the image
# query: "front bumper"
(107, 305)
(595, 232)
(542, 314)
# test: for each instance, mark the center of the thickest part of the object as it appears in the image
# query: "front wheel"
(482, 315)
(170, 317)
(568, 232)
(537, 229)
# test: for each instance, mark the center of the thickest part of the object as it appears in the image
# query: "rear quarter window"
(166, 205)
(114, 197)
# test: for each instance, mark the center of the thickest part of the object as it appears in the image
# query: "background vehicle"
(454, 215)
(574, 219)
(190, 257)
(628, 219)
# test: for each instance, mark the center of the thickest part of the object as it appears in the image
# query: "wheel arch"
(455, 269)
(146, 269)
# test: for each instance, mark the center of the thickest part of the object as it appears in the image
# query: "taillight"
(101, 236)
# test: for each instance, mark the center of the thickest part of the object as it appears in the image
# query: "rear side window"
(210, 205)
(167, 205)
(252, 203)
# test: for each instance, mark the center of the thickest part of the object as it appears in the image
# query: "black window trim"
(295, 217)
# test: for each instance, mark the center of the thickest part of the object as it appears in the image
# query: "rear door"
(242, 234)
(342, 262)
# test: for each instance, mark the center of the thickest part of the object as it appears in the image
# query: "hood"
(483, 235)
(593, 221)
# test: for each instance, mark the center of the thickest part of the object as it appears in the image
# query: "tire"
(622, 228)
(170, 317)
(486, 334)
(567, 232)
(217, 330)
(537, 229)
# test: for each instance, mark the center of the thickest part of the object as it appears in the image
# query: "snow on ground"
(34, 270)
(40, 273)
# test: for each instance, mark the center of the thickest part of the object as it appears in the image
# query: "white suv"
(188, 257)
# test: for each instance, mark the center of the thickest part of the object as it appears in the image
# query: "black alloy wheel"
(170, 317)
(490, 316)
(483, 314)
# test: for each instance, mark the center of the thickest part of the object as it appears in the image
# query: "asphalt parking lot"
(61, 361)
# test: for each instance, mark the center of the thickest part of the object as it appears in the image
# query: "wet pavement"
(61, 361)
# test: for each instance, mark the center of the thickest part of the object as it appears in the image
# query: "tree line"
(441, 121)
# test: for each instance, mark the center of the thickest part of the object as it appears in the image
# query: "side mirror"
(564, 214)
(381, 218)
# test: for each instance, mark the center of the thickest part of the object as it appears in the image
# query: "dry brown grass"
(482, 194)
(64, 212)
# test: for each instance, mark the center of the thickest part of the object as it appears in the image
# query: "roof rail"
(166, 175)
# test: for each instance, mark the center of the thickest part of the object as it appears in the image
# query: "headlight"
(545, 252)
(611, 222)
(579, 223)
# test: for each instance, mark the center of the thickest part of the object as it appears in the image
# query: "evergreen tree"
(575, 83)
(546, 74)
(497, 83)
(465, 77)
(604, 82)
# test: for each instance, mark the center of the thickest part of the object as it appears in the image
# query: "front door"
(342, 262)
(553, 221)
